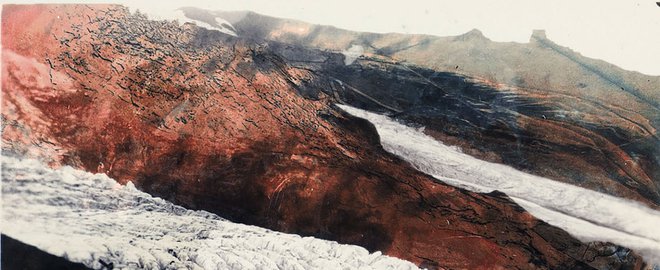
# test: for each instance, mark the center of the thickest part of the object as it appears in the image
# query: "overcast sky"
(623, 32)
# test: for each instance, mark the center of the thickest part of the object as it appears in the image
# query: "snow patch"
(588, 215)
(352, 54)
(89, 218)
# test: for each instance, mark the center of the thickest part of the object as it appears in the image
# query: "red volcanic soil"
(213, 122)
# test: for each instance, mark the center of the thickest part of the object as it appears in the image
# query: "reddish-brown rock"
(213, 122)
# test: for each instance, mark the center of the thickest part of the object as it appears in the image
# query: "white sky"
(623, 32)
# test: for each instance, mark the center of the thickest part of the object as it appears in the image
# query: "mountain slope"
(585, 214)
(543, 108)
(210, 121)
(91, 219)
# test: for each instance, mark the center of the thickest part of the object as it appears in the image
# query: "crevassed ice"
(588, 215)
(90, 218)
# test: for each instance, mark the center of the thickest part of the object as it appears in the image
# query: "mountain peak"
(474, 34)
(538, 34)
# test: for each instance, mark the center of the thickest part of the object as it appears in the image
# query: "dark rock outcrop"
(17, 255)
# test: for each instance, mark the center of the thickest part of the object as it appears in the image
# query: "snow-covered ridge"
(586, 214)
(90, 218)
(156, 12)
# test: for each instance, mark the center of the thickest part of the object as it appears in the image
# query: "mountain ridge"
(590, 97)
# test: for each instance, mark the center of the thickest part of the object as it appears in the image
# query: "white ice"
(588, 215)
(90, 218)
(352, 53)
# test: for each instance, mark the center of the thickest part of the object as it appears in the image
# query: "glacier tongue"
(585, 214)
(90, 218)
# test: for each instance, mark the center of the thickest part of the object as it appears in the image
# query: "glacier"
(90, 218)
(587, 215)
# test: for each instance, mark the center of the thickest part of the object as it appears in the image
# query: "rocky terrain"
(91, 219)
(588, 215)
(538, 107)
(241, 128)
